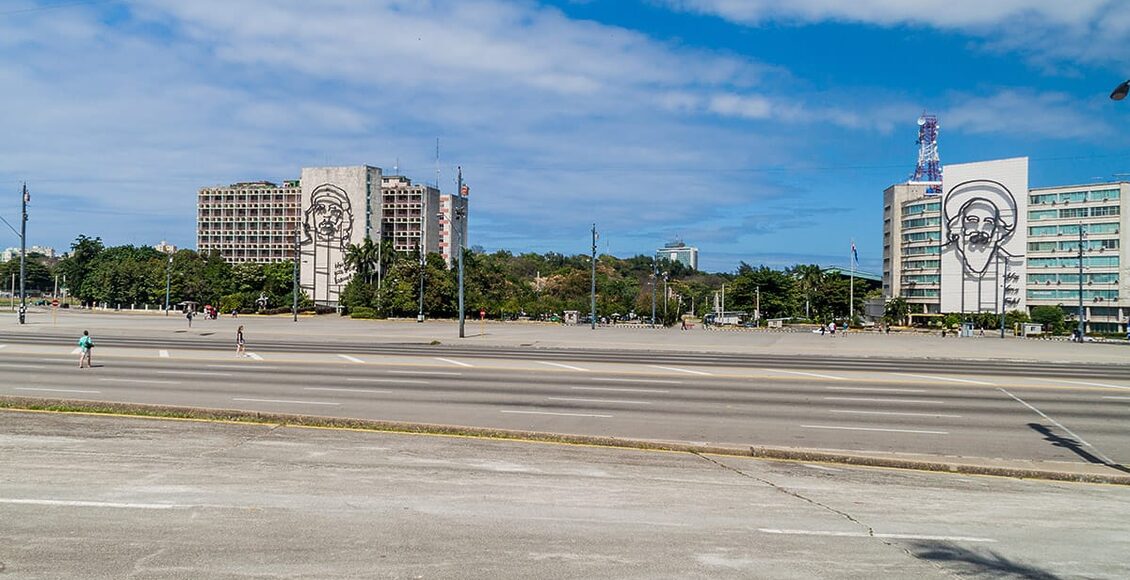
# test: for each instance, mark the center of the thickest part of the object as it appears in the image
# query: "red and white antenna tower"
(929, 169)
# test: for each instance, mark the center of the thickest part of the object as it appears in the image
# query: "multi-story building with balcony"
(453, 225)
(912, 233)
(249, 221)
(1059, 218)
(410, 215)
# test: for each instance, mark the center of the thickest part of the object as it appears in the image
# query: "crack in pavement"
(843, 514)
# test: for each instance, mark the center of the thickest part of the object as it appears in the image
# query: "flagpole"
(851, 295)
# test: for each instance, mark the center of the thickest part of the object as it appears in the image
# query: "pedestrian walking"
(832, 328)
(85, 345)
(684, 324)
(188, 315)
(823, 329)
(239, 344)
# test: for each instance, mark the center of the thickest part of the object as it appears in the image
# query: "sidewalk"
(332, 328)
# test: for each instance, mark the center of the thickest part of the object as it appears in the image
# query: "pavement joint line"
(284, 401)
(894, 413)
(24, 366)
(923, 537)
(878, 400)
(435, 373)
(139, 381)
(1060, 425)
(802, 373)
(677, 369)
(196, 373)
(561, 365)
(454, 362)
(1085, 383)
(594, 415)
(876, 389)
(619, 390)
(878, 429)
(344, 390)
(948, 379)
(939, 465)
(380, 380)
(1117, 398)
(598, 400)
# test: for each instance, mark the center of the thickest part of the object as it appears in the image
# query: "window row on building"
(1105, 194)
(1073, 229)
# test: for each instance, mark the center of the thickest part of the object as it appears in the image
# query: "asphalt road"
(102, 497)
(932, 410)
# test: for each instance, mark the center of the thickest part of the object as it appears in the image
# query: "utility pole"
(1082, 323)
(757, 306)
(1004, 296)
(665, 274)
(23, 258)
(168, 282)
(592, 292)
(420, 250)
(654, 279)
(294, 289)
(461, 213)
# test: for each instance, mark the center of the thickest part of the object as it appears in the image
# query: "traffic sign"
(55, 303)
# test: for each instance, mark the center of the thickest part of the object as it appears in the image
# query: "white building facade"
(340, 206)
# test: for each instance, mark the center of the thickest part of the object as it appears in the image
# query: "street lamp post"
(294, 282)
(168, 282)
(23, 255)
(592, 291)
(420, 315)
(654, 280)
(461, 212)
(1082, 323)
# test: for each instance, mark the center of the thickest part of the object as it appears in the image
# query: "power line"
(54, 6)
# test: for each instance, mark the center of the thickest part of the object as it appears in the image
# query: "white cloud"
(1023, 113)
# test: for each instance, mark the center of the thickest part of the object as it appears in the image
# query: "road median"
(1085, 473)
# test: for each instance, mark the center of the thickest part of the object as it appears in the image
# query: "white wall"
(989, 197)
(334, 203)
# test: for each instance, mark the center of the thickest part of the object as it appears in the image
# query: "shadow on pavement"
(977, 563)
(1073, 446)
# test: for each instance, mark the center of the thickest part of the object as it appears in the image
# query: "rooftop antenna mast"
(437, 162)
(929, 170)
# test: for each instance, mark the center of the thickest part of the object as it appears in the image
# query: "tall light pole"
(592, 292)
(23, 256)
(757, 306)
(168, 282)
(294, 282)
(1082, 323)
(420, 249)
(654, 280)
(460, 211)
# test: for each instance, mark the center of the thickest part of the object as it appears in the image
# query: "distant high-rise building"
(677, 251)
(410, 215)
(453, 226)
(165, 248)
(250, 221)
(14, 253)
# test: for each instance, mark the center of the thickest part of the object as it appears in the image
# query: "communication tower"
(929, 169)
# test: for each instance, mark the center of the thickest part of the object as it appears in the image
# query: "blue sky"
(759, 131)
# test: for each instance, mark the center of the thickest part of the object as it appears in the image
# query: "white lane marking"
(1118, 398)
(817, 375)
(821, 467)
(254, 356)
(55, 390)
(896, 414)
(1085, 383)
(615, 390)
(287, 401)
(454, 362)
(397, 381)
(199, 373)
(435, 373)
(679, 370)
(661, 381)
(598, 400)
(21, 366)
(242, 367)
(564, 366)
(163, 353)
(876, 535)
(875, 390)
(867, 399)
(3, 346)
(875, 429)
(99, 504)
(950, 379)
(557, 414)
(1060, 425)
(76, 350)
(337, 390)
(351, 358)
(144, 381)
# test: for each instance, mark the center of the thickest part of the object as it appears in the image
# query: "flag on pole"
(854, 254)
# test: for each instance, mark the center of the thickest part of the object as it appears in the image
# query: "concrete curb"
(165, 412)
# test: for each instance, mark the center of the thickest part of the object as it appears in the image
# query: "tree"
(362, 259)
(76, 266)
(1051, 317)
(896, 310)
(810, 278)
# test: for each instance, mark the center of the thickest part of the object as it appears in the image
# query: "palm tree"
(362, 259)
(810, 278)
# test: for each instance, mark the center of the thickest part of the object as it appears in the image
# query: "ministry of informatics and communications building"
(320, 215)
(981, 239)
